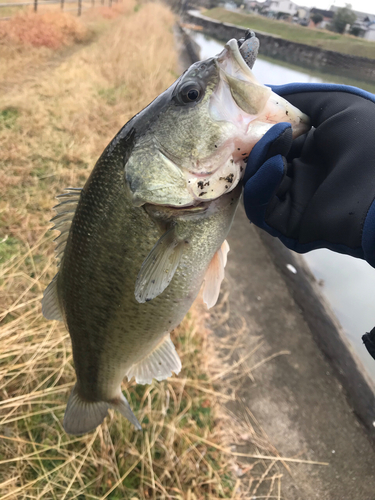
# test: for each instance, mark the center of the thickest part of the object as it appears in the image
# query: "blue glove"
(318, 190)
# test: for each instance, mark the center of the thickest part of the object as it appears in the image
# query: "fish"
(148, 229)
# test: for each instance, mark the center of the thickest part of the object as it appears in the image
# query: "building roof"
(322, 12)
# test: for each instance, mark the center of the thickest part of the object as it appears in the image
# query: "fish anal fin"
(215, 275)
(82, 416)
(158, 364)
(50, 302)
(122, 405)
(159, 267)
(225, 249)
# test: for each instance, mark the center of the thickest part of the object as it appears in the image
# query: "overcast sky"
(367, 6)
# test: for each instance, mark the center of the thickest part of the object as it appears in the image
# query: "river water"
(347, 283)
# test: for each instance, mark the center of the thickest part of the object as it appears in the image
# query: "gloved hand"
(318, 190)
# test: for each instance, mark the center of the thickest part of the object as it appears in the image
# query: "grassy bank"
(318, 38)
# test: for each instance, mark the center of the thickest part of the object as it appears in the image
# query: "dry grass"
(52, 129)
(50, 29)
(29, 40)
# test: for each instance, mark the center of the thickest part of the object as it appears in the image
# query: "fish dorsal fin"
(62, 222)
(215, 275)
(50, 302)
(158, 364)
(159, 267)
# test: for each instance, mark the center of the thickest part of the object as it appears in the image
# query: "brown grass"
(50, 29)
(29, 41)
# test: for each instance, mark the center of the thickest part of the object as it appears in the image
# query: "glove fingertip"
(261, 187)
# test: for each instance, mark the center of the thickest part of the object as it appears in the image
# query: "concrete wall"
(300, 54)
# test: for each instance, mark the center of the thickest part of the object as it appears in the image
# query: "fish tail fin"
(123, 407)
(82, 416)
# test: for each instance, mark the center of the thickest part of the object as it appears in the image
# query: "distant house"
(363, 26)
(303, 12)
(361, 16)
(280, 8)
(327, 16)
(253, 5)
(370, 32)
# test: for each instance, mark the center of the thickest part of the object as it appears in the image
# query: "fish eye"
(190, 93)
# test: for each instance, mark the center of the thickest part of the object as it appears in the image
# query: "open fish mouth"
(197, 146)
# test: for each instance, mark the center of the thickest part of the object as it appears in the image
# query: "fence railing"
(40, 3)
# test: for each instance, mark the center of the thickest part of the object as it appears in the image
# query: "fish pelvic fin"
(84, 416)
(215, 275)
(159, 267)
(158, 364)
(50, 303)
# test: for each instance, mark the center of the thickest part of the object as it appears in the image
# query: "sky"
(367, 6)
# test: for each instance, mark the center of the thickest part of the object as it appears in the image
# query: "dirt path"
(35, 71)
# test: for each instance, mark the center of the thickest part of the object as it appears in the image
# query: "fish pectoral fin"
(159, 267)
(215, 275)
(50, 302)
(82, 416)
(124, 408)
(158, 364)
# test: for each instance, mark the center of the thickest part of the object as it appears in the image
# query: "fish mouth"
(170, 211)
(254, 102)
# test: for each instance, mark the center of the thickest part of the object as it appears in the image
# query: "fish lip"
(205, 173)
(231, 49)
(193, 208)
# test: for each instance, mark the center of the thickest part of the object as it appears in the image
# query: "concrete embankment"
(291, 52)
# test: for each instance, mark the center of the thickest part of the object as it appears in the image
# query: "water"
(347, 283)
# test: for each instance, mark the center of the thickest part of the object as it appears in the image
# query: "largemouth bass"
(149, 227)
